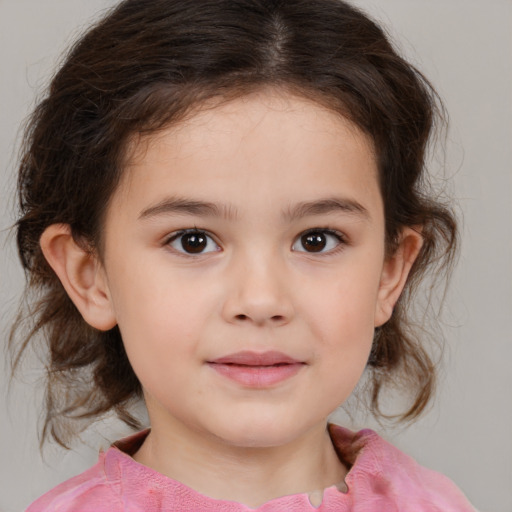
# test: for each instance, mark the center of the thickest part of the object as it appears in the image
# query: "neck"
(251, 476)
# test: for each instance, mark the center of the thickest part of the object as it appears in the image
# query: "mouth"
(257, 370)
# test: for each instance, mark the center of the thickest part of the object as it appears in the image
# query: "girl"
(224, 212)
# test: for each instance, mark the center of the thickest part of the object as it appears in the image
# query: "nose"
(258, 292)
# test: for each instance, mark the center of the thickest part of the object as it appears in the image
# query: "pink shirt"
(381, 479)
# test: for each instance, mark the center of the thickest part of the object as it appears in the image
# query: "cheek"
(344, 305)
(156, 297)
(158, 338)
(160, 318)
(341, 315)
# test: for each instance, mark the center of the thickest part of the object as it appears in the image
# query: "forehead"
(207, 122)
(268, 143)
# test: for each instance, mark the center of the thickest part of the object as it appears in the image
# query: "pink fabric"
(381, 479)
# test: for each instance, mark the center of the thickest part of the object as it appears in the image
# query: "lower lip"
(257, 376)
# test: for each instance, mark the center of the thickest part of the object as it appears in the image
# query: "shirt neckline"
(351, 448)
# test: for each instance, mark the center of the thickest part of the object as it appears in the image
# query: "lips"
(257, 370)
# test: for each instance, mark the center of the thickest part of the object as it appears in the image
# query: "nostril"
(274, 319)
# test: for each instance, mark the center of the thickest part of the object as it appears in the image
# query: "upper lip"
(249, 358)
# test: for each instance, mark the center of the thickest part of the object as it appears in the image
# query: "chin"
(259, 432)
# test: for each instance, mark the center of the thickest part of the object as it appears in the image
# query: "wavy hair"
(143, 67)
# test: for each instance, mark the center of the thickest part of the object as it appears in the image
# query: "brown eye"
(313, 242)
(318, 240)
(193, 242)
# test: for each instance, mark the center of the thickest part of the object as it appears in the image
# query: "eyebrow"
(184, 206)
(324, 206)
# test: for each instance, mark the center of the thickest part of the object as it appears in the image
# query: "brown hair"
(144, 66)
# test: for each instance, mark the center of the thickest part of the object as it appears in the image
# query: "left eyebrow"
(325, 206)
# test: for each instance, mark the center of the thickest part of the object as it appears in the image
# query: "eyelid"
(341, 238)
(177, 234)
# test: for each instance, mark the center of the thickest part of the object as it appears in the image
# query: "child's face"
(283, 255)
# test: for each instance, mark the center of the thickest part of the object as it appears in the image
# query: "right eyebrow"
(182, 206)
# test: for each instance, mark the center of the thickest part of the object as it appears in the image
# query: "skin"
(255, 287)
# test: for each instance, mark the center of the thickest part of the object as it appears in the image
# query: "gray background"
(465, 48)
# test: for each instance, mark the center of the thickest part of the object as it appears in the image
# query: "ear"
(395, 271)
(81, 274)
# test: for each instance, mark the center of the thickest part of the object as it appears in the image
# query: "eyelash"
(176, 236)
(340, 238)
(193, 231)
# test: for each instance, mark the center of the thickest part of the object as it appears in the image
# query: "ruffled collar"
(352, 448)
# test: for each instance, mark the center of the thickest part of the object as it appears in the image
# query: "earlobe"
(395, 273)
(81, 274)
